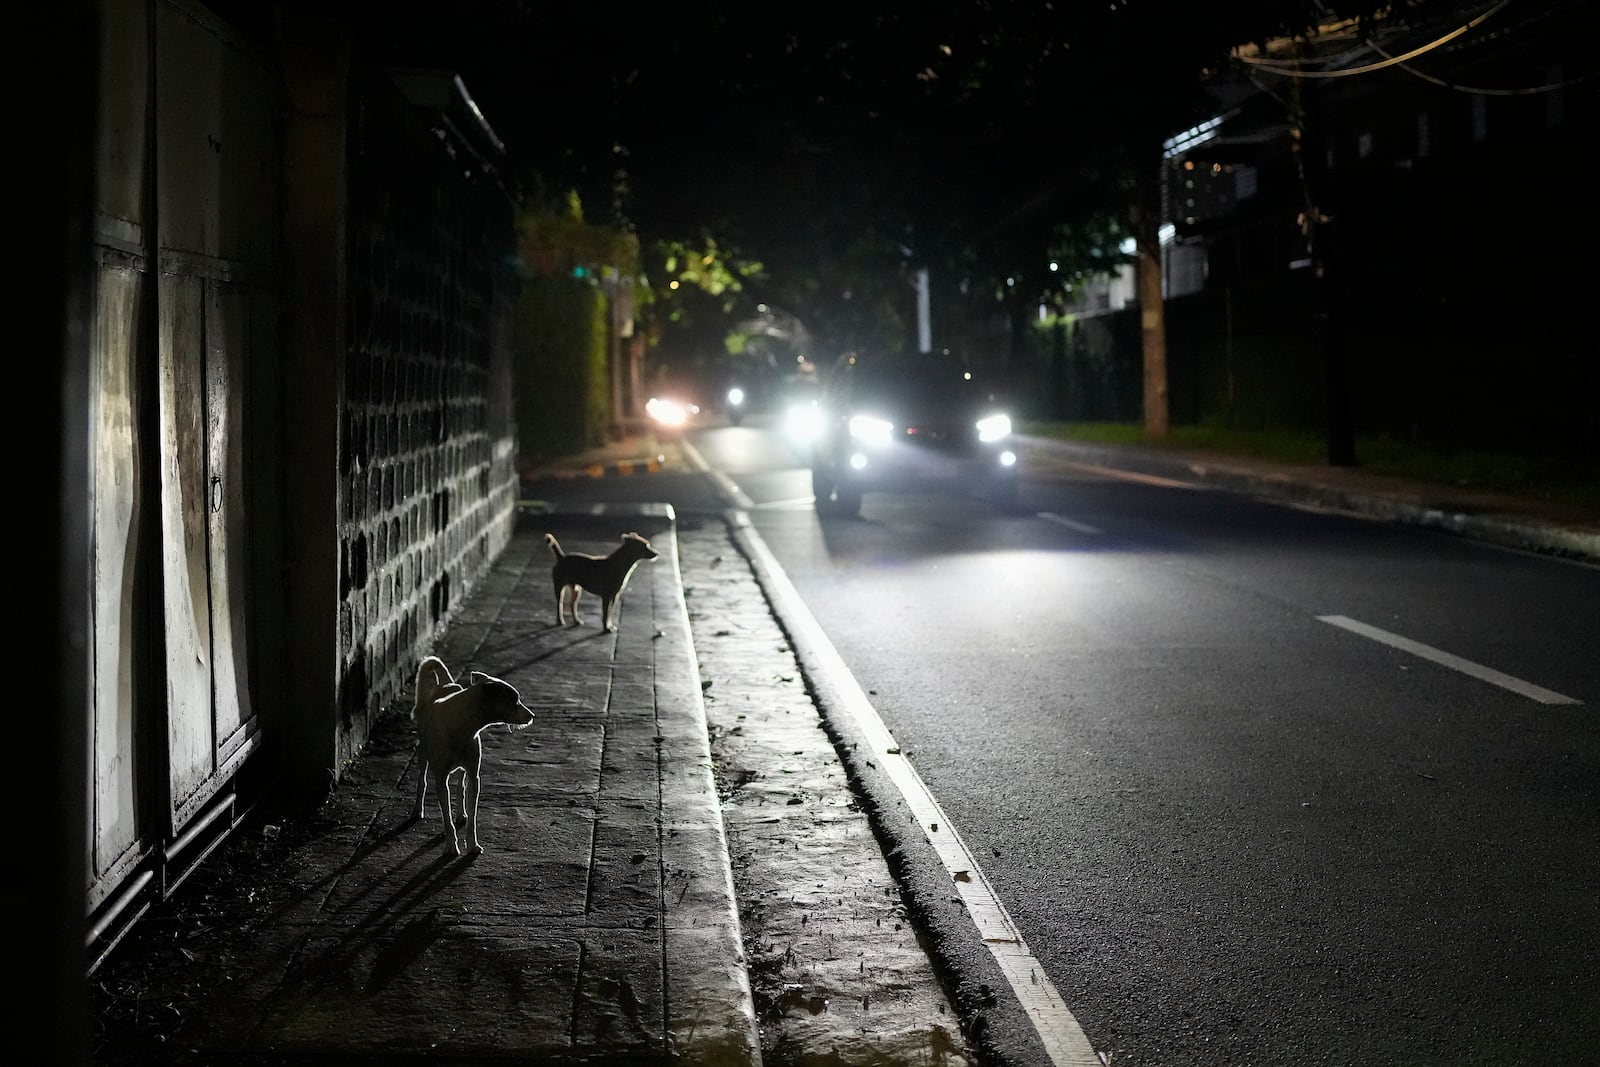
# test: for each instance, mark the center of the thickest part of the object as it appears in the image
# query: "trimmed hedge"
(560, 370)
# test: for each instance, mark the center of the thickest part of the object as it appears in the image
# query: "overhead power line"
(1292, 68)
(1530, 90)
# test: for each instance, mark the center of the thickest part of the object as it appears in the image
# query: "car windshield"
(922, 384)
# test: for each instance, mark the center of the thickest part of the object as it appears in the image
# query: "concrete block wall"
(427, 451)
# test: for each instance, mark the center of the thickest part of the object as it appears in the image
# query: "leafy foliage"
(690, 296)
(557, 240)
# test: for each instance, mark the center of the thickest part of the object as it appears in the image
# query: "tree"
(689, 296)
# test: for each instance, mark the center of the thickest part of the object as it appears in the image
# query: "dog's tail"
(433, 681)
(555, 546)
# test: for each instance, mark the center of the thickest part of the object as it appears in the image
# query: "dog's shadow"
(549, 643)
(393, 736)
(428, 879)
(323, 887)
(574, 635)
(400, 927)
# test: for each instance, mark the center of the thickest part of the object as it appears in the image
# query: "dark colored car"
(909, 421)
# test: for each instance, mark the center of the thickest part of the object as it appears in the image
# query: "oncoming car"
(799, 412)
(670, 413)
(909, 421)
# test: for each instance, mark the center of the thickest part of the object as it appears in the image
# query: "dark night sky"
(706, 104)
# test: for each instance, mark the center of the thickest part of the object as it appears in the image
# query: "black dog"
(604, 576)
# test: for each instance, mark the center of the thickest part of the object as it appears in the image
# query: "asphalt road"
(1255, 784)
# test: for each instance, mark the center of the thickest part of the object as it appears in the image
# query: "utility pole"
(924, 314)
(611, 286)
(1317, 218)
(1152, 312)
(613, 351)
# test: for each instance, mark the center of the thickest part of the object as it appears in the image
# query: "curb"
(621, 468)
(998, 1029)
(1532, 535)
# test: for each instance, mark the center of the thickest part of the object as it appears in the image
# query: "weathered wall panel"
(123, 155)
(228, 344)
(117, 498)
(215, 198)
(185, 566)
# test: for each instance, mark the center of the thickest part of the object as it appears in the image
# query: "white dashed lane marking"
(730, 489)
(1071, 524)
(1445, 659)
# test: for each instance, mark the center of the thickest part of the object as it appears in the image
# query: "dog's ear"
(503, 692)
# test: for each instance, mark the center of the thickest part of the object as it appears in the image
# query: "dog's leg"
(561, 604)
(577, 591)
(442, 785)
(422, 788)
(469, 801)
(608, 607)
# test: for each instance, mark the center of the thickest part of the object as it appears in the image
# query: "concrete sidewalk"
(599, 925)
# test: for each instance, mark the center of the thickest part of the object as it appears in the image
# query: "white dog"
(449, 718)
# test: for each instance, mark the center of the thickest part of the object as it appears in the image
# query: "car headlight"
(870, 431)
(994, 427)
(666, 412)
(736, 396)
(802, 421)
